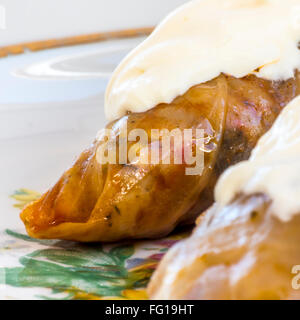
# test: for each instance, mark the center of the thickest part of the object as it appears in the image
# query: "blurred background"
(31, 20)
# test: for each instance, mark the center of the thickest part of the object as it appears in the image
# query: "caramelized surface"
(240, 252)
(93, 202)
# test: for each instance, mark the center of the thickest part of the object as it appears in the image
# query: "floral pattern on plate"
(67, 270)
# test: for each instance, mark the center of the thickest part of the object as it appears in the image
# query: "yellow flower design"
(24, 197)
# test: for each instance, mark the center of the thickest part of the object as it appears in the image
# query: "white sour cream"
(273, 169)
(199, 41)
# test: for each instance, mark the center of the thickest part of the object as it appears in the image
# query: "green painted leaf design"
(81, 269)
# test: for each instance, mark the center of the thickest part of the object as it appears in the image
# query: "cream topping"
(202, 39)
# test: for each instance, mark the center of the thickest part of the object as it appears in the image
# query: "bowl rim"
(73, 40)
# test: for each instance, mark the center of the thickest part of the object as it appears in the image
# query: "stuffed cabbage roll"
(94, 202)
